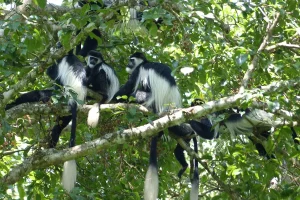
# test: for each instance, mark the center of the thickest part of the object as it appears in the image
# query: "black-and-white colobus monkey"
(70, 73)
(184, 131)
(90, 43)
(101, 79)
(153, 81)
(253, 121)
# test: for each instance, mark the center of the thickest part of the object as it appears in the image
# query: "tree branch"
(6, 153)
(45, 158)
(46, 109)
(255, 59)
(195, 155)
(282, 44)
(43, 65)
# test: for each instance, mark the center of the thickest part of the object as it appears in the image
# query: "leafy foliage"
(215, 41)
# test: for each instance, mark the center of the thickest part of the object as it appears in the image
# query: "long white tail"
(93, 116)
(69, 175)
(195, 181)
(151, 183)
(194, 190)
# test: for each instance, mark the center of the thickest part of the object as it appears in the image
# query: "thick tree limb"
(45, 158)
(255, 59)
(50, 109)
(47, 109)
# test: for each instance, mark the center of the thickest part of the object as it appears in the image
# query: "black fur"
(203, 127)
(238, 124)
(30, 97)
(73, 65)
(90, 43)
(101, 77)
(144, 83)
(185, 131)
(75, 70)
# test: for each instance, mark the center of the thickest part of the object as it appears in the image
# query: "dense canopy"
(230, 54)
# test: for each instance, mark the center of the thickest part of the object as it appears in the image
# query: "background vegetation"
(210, 46)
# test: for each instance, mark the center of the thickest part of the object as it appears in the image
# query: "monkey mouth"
(93, 62)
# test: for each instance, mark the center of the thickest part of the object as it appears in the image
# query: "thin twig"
(193, 154)
(282, 44)
(6, 153)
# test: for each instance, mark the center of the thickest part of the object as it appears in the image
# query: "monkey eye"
(131, 59)
(93, 60)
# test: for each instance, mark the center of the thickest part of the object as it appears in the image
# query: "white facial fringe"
(164, 95)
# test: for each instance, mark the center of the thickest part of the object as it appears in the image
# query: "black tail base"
(61, 123)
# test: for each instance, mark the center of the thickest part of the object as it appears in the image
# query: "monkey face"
(133, 63)
(92, 61)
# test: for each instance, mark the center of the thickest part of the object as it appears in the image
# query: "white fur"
(256, 118)
(71, 79)
(262, 118)
(151, 184)
(195, 190)
(133, 14)
(240, 127)
(128, 70)
(163, 94)
(8, 94)
(93, 116)
(137, 62)
(114, 82)
(76, 5)
(69, 175)
(93, 65)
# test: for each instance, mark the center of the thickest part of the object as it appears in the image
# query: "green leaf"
(236, 172)
(21, 190)
(41, 3)
(153, 30)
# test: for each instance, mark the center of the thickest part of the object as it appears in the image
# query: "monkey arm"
(203, 128)
(129, 86)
